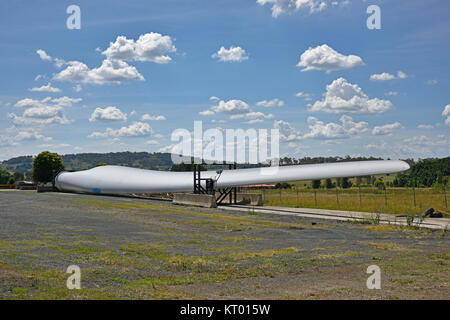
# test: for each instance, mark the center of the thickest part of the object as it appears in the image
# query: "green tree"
(346, 183)
(329, 184)
(19, 176)
(4, 176)
(46, 166)
(379, 184)
(315, 184)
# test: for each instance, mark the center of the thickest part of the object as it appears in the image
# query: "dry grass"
(395, 200)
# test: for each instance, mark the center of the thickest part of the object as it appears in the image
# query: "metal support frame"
(230, 192)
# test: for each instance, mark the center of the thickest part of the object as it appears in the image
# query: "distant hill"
(82, 161)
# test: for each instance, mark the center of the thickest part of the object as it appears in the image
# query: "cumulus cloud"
(287, 131)
(344, 97)
(385, 76)
(446, 113)
(135, 129)
(111, 71)
(425, 126)
(148, 47)
(43, 55)
(347, 128)
(282, 6)
(206, 113)
(269, 104)
(214, 98)
(231, 107)
(252, 115)
(327, 59)
(47, 88)
(147, 117)
(110, 113)
(233, 54)
(386, 129)
(42, 112)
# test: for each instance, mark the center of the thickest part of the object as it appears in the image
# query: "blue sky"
(379, 92)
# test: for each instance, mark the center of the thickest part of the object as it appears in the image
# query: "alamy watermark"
(215, 145)
(374, 281)
(74, 20)
(74, 280)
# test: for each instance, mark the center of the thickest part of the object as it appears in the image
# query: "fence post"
(280, 194)
(445, 197)
(360, 200)
(315, 198)
(414, 195)
(337, 196)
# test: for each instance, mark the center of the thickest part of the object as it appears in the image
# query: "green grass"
(395, 200)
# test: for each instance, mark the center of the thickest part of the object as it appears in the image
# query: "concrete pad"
(198, 200)
(430, 223)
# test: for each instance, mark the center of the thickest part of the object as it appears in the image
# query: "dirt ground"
(139, 249)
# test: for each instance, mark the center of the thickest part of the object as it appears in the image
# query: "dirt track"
(130, 248)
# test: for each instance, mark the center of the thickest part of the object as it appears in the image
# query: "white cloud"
(66, 101)
(425, 126)
(344, 97)
(135, 129)
(77, 88)
(151, 142)
(231, 107)
(320, 130)
(43, 55)
(401, 75)
(382, 77)
(269, 104)
(327, 59)
(206, 113)
(282, 6)
(147, 117)
(148, 47)
(386, 129)
(42, 112)
(110, 113)
(446, 113)
(40, 116)
(432, 82)
(391, 93)
(214, 98)
(287, 131)
(234, 54)
(47, 88)
(251, 115)
(111, 71)
(385, 76)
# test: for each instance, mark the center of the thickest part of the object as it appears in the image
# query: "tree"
(346, 183)
(379, 184)
(4, 176)
(19, 176)
(329, 184)
(46, 166)
(315, 184)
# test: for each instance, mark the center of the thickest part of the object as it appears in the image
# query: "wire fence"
(366, 199)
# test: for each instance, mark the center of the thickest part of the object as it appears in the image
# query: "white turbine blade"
(120, 180)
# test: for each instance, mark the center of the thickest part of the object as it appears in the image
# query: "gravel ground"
(131, 248)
